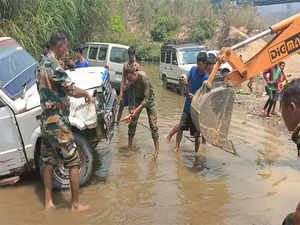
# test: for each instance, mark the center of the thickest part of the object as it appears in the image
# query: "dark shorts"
(186, 123)
(124, 101)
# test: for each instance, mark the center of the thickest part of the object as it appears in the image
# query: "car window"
(118, 55)
(189, 55)
(84, 51)
(163, 57)
(102, 53)
(174, 58)
(93, 52)
(168, 59)
(17, 70)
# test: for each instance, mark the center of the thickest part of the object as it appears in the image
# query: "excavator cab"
(211, 108)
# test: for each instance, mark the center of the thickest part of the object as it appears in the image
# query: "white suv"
(20, 112)
(177, 58)
(109, 55)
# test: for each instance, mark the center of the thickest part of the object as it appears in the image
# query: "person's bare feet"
(49, 206)
(176, 150)
(80, 207)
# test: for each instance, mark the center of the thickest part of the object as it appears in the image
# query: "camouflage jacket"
(144, 93)
(54, 87)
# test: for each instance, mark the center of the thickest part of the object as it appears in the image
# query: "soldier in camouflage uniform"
(144, 98)
(58, 143)
(126, 93)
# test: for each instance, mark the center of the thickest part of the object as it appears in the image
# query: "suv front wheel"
(61, 178)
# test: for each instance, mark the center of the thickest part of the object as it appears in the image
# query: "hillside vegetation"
(143, 24)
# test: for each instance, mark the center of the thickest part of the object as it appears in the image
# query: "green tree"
(202, 29)
(163, 29)
(31, 22)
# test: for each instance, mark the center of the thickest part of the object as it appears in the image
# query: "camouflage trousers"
(58, 145)
(152, 119)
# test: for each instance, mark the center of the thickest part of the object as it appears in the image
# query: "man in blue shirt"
(80, 60)
(197, 75)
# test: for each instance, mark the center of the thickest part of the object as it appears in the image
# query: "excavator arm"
(211, 108)
(285, 43)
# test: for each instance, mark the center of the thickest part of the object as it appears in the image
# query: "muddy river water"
(260, 187)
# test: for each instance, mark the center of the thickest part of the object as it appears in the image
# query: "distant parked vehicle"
(177, 58)
(111, 56)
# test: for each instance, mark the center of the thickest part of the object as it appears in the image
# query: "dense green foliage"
(202, 29)
(144, 24)
(163, 29)
(32, 21)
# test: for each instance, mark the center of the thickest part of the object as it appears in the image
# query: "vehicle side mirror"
(175, 62)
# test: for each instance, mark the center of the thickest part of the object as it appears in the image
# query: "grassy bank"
(144, 24)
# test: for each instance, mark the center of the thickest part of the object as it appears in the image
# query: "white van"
(109, 55)
(177, 58)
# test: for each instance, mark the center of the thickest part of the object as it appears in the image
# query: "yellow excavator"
(211, 108)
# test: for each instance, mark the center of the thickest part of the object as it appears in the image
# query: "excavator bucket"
(211, 114)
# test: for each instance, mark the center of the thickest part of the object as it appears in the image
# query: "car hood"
(88, 77)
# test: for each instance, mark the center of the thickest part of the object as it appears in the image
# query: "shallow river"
(260, 187)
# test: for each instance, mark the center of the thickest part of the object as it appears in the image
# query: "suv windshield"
(17, 70)
(189, 55)
(118, 55)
